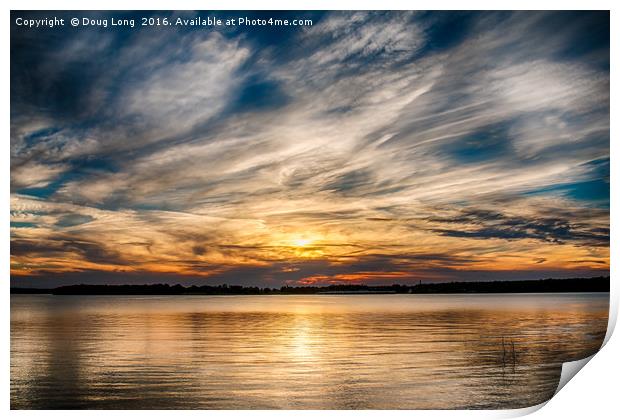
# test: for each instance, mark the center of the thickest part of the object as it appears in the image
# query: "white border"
(592, 394)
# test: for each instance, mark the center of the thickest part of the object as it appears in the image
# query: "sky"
(374, 148)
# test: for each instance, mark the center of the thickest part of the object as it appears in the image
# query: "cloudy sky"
(368, 147)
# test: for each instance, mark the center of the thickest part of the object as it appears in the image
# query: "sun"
(301, 242)
(305, 245)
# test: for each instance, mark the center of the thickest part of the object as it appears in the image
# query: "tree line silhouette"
(595, 284)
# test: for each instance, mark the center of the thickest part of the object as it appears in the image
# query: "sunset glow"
(301, 242)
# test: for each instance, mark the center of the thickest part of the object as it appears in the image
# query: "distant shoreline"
(575, 285)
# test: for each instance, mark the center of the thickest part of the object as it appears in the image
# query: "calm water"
(297, 352)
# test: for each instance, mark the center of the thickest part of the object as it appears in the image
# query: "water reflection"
(337, 352)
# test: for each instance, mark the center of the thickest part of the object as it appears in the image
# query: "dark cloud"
(199, 250)
(485, 224)
(62, 246)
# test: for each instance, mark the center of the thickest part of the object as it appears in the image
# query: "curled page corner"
(521, 412)
(614, 301)
(570, 369)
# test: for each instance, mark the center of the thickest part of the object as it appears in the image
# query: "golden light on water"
(319, 352)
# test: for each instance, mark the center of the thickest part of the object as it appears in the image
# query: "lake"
(297, 352)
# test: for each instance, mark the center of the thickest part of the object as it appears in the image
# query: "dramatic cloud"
(368, 147)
